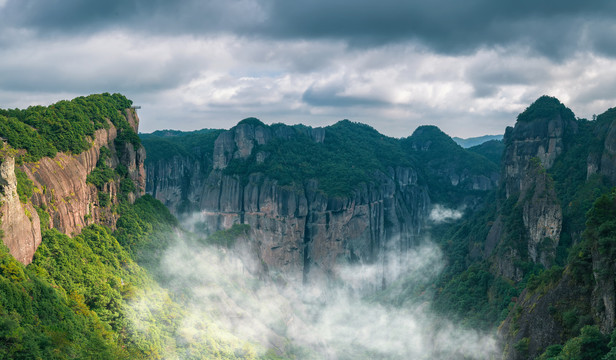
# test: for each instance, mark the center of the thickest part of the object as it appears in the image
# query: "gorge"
(416, 230)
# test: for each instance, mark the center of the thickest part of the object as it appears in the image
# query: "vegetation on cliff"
(81, 296)
(491, 150)
(546, 107)
(165, 144)
(564, 297)
(450, 170)
(96, 295)
(349, 151)
(64, 126)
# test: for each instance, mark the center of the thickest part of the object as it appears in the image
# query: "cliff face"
(584, 292)
(302, 232)
(177, 182)
(20, 222)
(541, 139)
(61, 190)
(299, 229)
(531, 149)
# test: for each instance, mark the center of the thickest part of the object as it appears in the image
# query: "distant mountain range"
(474, 141)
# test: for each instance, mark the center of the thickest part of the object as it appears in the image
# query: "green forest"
(66, 126)
(355, 152)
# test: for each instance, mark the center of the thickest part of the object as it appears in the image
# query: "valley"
(296, 242)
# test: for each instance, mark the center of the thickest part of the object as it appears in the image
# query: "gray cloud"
(333, 96)
(552, 28)
(158, 16)
(468, 67)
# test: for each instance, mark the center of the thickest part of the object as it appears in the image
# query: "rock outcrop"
(302, 232)
(21, 231)
(554, 310)
(540, 139)
(61, 190)
(531, 149)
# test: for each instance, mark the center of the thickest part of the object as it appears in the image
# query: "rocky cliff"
(61, 193)
(571, 163)
(300, 227)
(531, 149)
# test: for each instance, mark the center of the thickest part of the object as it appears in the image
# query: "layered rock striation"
(554, 307)
(298, 228)
(60, 190)
(531, 149)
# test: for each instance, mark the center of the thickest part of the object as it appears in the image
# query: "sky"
(468, 67)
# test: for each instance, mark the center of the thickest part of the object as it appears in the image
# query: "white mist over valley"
(345, 317)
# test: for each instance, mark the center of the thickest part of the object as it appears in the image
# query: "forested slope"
(87, 284)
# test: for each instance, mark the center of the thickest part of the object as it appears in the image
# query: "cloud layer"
(323, 320)
(468, 67)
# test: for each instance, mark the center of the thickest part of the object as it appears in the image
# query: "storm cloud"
(467, 67)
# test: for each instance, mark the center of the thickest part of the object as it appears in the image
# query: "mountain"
(315, 197)
(572, 301)
(94, 266)
(82, 244)
(67, 171)
(492, 150)
(539, 258)
(474, 141)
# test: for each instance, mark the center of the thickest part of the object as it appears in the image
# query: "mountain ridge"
(476, 140)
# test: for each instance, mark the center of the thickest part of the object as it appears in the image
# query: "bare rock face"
(542, 216)
(61, 189)
(20, 222)
(608, 157)
(177, 183)
(541, 139)
(531, 148)
(305, 233)
(299, 231)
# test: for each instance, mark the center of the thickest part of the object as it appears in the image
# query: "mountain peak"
(546, 107)
(251, 121)
(432, 133)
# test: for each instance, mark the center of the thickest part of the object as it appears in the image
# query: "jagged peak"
(546, 107)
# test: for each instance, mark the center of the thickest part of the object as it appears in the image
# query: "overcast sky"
(468, 67)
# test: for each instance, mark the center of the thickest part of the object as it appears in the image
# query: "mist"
(440, 214)
(224, 293)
